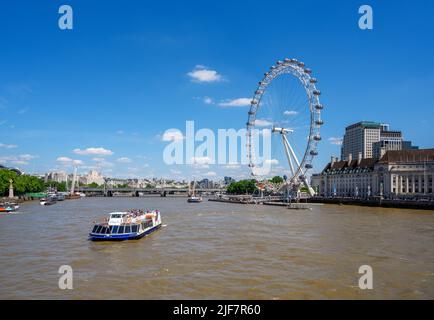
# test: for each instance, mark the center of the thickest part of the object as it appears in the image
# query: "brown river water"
(216, 250)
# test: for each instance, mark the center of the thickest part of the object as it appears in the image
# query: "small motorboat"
(194, 199)
(9, 207)
(72, 196)
(130, 225)
(60, 196)
(48, 201)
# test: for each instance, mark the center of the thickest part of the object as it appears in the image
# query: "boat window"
(114, 229)
(94, 228)
(127, 229)
(134, 228)
(104, 230)
(98, 229)
(116, 216)
(121, 229)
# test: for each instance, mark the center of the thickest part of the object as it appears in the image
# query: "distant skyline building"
(371, 140)
(56, 176)
(228, 180)
(358, 138)
(92, 177)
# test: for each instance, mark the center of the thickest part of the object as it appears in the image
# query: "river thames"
(217, 250)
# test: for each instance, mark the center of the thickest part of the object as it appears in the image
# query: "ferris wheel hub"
(282, 130)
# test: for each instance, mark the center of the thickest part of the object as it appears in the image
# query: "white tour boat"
(133, 224)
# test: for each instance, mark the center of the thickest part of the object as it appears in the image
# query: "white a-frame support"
(291, 154)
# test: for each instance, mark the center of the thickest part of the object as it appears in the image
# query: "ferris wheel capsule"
(308, 71)
(319, 122)
(313, 152)
(317, 137)
(316, 92)
(313, 80)
(319, 106)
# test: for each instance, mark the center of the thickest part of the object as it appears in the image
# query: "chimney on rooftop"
(350, 158)
(359, 158)
(333, 160)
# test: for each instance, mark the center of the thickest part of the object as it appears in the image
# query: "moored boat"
(9, 207)
(129, 225)
(48, 201)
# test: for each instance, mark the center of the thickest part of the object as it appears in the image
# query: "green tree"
(242, 187)
(93, 185)
(59, 186)
(26, 183)
(5, 176)
(276, 179)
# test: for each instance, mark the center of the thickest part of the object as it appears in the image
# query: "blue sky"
(123, 75)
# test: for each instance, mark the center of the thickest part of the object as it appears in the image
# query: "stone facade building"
(398, 174)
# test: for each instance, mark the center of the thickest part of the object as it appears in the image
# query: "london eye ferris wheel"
(287, 103)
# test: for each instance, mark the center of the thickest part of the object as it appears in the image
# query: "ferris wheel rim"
(300, 71)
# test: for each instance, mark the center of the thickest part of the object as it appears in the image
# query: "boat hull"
(122, 237)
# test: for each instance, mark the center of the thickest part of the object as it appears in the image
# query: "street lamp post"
(11, 189)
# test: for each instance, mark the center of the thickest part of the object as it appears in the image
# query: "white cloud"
(23, 111)
(290, 113)
(8, 146)
(64, 159)
(172, 135)
(19, 162)
(120, 132)
(124, 160)
(271, 161)
(232, 166)
(240, 102)
(262, 123)
(102, 163)
(210, 174)
(93, 151)
(68, 161)
(208, 100)
(203, 74)
(201, 160)
(335, 141)
(26, 157)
